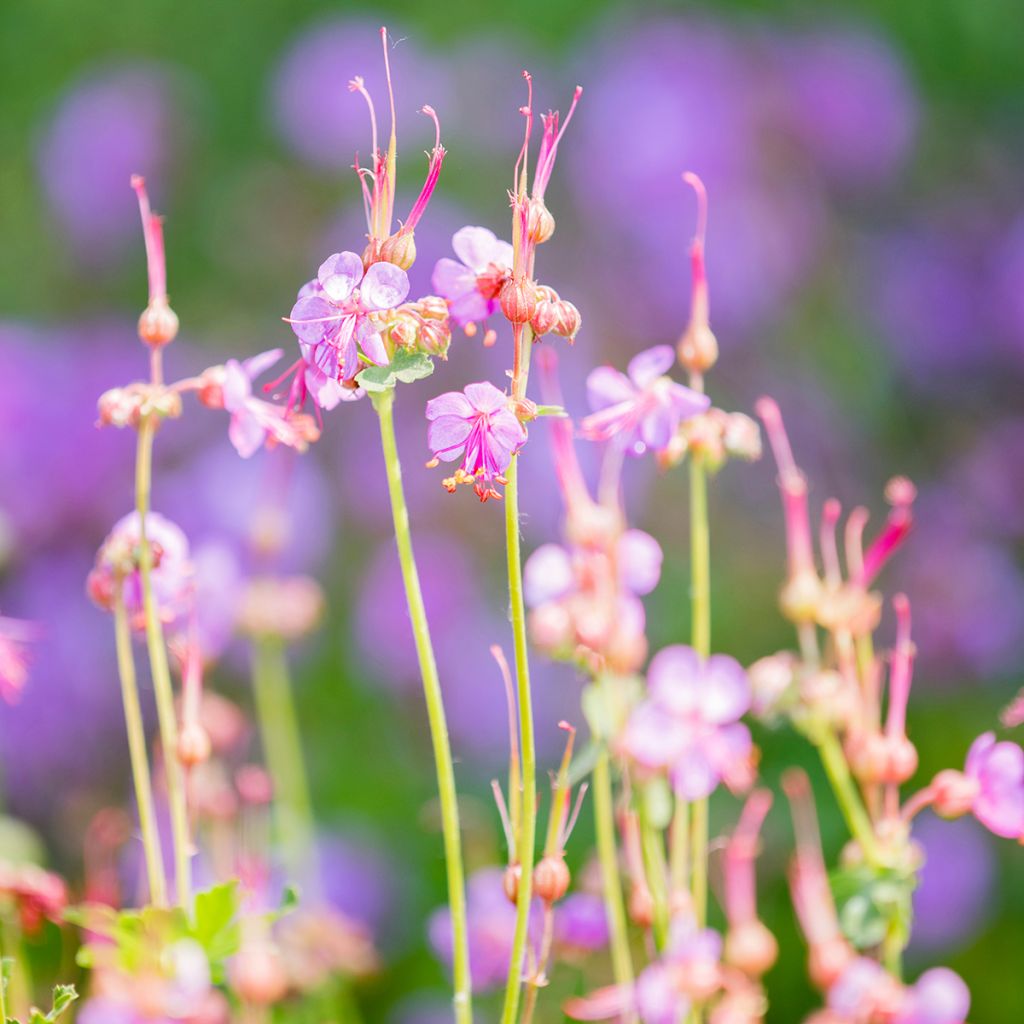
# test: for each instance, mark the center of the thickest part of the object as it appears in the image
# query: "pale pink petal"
(607, 387)
(644, 369)
(724, 690)
(547, 575)
(675, 678)
(246, 433)
(693, 776)
(653, 737)
(340, 274)
(313, 319)
(451, 403)
(257, 365)
(371, 343)
(237, 386)
(384, 287)
(639, 558)
(486, 397)
(658, 426)
(452, 279)
(446, 437)
(477, 247)
(686, 402)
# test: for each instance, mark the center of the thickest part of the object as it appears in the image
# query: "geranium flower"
(479, 427)
(15, 637)
(472, 286)
(997, 769)
(643, 407)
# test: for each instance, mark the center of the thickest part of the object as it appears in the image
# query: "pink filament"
(153, 233)
(901, 672)
(740, 854)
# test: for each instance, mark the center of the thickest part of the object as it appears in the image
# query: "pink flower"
(939, 996)
(479, 427)
(333, 318)
(689, 723)
(254, 421)
(644, 408)
(472, 286)
(15, 638)
(997, 769)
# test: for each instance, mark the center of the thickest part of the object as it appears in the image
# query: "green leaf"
(873, 903)
(63, 997)
(405, 366)
(215, 918)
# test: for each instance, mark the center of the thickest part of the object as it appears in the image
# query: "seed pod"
(540, 225)
(551, 879)
(518, 300)
(400, 249)
(193, 745)
(158, 324)
(569, 320)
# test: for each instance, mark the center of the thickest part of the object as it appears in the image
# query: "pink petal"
(675, 679)
(384, 287)
(486, 397)
(477, 247)
(693, 775)
(246, 433)
(446, 437)
(686, 402)
(451, 403)
(724, 690)
(256, 365)
(547, 575)
(371, 343)
(653, 737)
(313, 319)
(237, 386)
(340, 274)
(658, 426)
(451, 279)
(639, 558)
(607, 387)
(644, 369)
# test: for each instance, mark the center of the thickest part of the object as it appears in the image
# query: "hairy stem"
(383, 403)
(160, 670)
(137, 753)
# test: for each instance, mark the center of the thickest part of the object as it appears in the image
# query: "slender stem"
(137, 753)
(655, 869)
(383, 402)
(700, 614)
(615, 911)
(282, 747)
(678, 864)
(3, 988)
(838, 772)
(528, 819)
(160, 670)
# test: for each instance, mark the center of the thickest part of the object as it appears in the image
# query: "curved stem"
(383, 403)
(282, 747)
(160, 670)
(137, 752)
(528, 819)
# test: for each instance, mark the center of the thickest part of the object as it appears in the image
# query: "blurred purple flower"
(939, 996)
(998, 771)
(851, 104)
(581, 923)
(954, 892)
(319, 118)
(472, 285)
(111, 123)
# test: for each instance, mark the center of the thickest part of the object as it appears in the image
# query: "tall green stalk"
(282, 747)
(383, 403)
(137, 752)
(160, 670)
(528, 816)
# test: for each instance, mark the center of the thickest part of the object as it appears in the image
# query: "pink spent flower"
(472, 287)
(333, 316)
(997, 769)
(642, 407)
(479, 427)
(689, 723)
(15, 637)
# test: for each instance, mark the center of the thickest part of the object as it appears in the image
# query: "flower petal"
(237, 385)
(486, 397)
(477, 246)
(675, 679)
(724, 690)
(607, 387)
(646, 367)
(451, 403)
(313, 319)
(256, 365)
(246, 433)
(340, 274)
(384, 286)
(547, 575)
(446, 437)
(639, 558)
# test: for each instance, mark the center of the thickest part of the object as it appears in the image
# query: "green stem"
(850, 803)
(528, 819)
(137, 752)
(383, 402)
(700, 637)
(655, 868)
(160, 670)
(678, 862)
(604, 820)
(282, 747)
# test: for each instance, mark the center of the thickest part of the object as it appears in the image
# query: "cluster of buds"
(715, 436)
(421, 326)
(285, 607)
(127, 406)
(554, 315)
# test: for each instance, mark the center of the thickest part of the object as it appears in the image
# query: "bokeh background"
(866, 254)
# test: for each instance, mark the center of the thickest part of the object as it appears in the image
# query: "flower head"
(997, 769)
(689, 723)
(15, 638)
(479, 427)
(472, 284)
(643, 408)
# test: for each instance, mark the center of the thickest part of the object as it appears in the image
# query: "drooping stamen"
(740, 855)
(560, 797)
(902, 669)
(830, 513)
(153, 234)
(436, 157)
(549, 145)
(515, 784)
(900, 493)
(376, 199)
(793, 486)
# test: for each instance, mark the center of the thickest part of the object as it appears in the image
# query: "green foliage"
(63, 997)
(873, 903)
(406, 367)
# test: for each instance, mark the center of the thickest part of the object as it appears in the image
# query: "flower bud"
(435, 337)
(698, 348)
(902, 761)
(510, 882)
(551, 627)
(119, 407)
(955, 793)
(641, 905)
(800, 597)
(545, 317)
(569, 320)
(751, 948)
(868, 754)
(540, 224)
(518, 299)
(827, 960)
(551, 878)
(770, 680)
(158, 324)
(254, 784)
(193, 745)
(742, 437)
(400, 249)
(257, 974)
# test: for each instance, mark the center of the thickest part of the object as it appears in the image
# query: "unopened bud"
(254, 785)
(551, 879)
(158, 324)
(119, 407)
(545, 317)
(902, 761)
(770, 680)
(800, 597)
(742, 437)
(399, 249)
(510, 882)
(518, 300)
(827, 960)
(257, 974)
(540, 224)
(868, 754)
(751, 948)
(955, 793)
(211, 387)
(698, 349)
(641, 905)
(435, 337)
(193, 745)
(551, 627)
(569, 320)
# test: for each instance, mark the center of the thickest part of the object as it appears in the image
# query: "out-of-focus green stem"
(137, 753)
(282, 747)
(524, 700)
(383, 403)
(657, 875)
(160, 670)
(850, 803)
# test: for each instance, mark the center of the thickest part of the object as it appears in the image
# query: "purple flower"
(939, 996)
(253, 420)
(998, 771)
(332, 320)
(472, 286)
(581, 923)
(15, 637)
(689, 723)
(479, 427)
(645, 408)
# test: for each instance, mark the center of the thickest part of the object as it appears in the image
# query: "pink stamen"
(740, 855)
(549, 145)
(830, 514)
(900, 493)
(436, 157)
(902, 669)
(855, 525)
(699, 303)
(153, 233)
